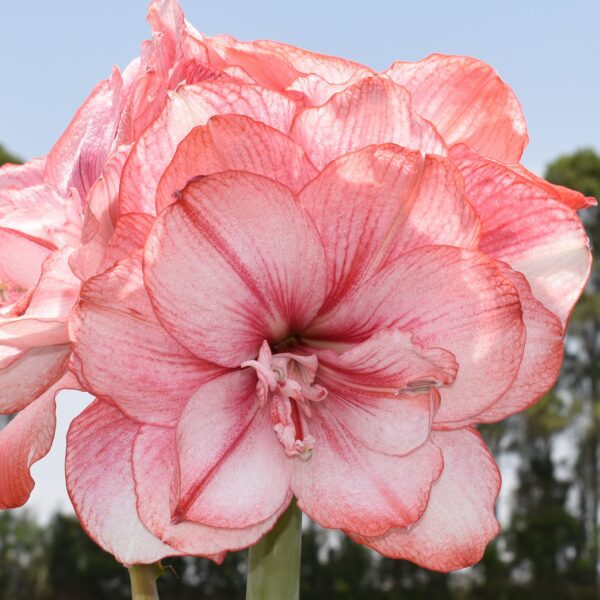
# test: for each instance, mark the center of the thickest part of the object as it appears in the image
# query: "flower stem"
(274, 563)
(143, 581)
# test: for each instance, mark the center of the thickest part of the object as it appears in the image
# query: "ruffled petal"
(345, 485)
(78, 158)
(331, 68)
(126, 355)
(25, 175)
(100, 218)
(383, 390)
(100, 483)
(459, 520)
(447, 298)
(24, 441)
(374, 110)
(188, 107)
(226, 267)
(156, 475)
(524, 225)
(542, 357)
(42, 214)
(233, 470)
(238, 143)
(386, 201)
(29, 374)
(467, 102)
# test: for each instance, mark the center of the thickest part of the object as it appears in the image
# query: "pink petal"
(31, 374)
(20, 176)
(372, 111)
(345, 485)
(457, 300)
(131, 231)
(269, 69)
(32, 253)
(226, 266)
(100, 218)
(155, 466)
(26, 439)
(382, 390)
(126, 355)
(41, 320)
(188, 107)
(386, 200)
(100, 483)
(78, 158)
(233, 470)
(467, 102)
(571, 198)
(40, 213)
(542, 357)
(523, 225)
(330, 68)
(459, 520)
(234, 142)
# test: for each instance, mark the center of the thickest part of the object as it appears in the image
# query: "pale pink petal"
(124, 352)
(331, 68)
(386, 200)
(156, 475)
(41, 213)
(188, 107)
(234, 262)
(447, 298)
(372, 111)
(100, 483)
(267, 68)
(316, 90)
(24, 272)
(234, 142)
(345, 485)
(572, 198)
(131, 231)
(100, 217)
(40, 319)
(233, 470)
(30, 374)
(524, 225)
(542, 357)
(459, 520)
(78, 158)
(467, 102)
(382, 390)
(25, 440)
(21, 176)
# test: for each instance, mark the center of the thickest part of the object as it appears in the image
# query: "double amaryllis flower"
(301, 278)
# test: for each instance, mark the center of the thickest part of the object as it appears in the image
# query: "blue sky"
(53, 52)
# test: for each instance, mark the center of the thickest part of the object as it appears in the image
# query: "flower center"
(287, 381)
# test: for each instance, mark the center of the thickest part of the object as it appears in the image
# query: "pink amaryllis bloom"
(329, 329)
(302, 278)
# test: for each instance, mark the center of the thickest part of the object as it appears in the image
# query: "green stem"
(274, 563)
(143, 581)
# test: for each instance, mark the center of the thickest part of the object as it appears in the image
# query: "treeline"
(548, 548)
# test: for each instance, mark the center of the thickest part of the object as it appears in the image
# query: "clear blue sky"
(53, 52)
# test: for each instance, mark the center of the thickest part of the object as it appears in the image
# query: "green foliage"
(7, 157)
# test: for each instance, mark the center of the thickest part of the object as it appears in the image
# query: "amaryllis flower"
(302, 278)
(319, 311)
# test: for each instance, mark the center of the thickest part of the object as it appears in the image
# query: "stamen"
(287, 381)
